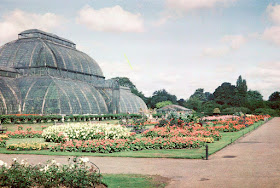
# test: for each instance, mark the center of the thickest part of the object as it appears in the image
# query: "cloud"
(119, 69)
(274, 13)
(215, 52)
(272, 34)
(235, 41)
(187, 5)
(17, 21)
(264, 77)
(113, 19)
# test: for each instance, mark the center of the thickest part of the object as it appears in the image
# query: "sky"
(178, 45)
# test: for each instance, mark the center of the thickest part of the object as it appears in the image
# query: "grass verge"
(134, 181)
(227, 138)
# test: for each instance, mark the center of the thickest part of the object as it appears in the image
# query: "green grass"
(227, 138)
(131, 180)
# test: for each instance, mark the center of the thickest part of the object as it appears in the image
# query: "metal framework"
(41, 73)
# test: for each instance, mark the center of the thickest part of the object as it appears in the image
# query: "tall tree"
(225, 94)
(199, 94)
(241, 94)
(162, 95)
(274, 96)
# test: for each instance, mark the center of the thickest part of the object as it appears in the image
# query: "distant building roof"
(174, 107)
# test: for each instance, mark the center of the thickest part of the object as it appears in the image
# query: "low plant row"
(24, 134)
(52, 174)
(118, 145)
(30, 119)
(2, 143)
(81, 118)
(27, 146)
(166, 132)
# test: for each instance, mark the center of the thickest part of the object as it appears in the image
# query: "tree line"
(227, 97)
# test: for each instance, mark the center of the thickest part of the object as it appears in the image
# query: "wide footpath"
(252, 161)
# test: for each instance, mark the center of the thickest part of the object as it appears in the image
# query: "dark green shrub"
(265, 111)
(233, 110)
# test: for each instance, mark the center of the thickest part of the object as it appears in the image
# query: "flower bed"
(117, 145)
(4, 137)
(84, 132)
(235, 124)
(51, 174)
(27, 146)
(180, 132)
(24, 134)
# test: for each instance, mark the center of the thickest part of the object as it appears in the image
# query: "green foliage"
(194, 104)
(274, 96)
(163, 104)
(233, 110)
(254, 95)
(199, 94)
(265, 111)
(182, 102)
(162, 95)
(225, 94)
(48, 175)
(209, 107)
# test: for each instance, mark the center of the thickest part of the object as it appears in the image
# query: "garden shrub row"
(80, 118)
(21, 119)
(16, 119)
(52, 174)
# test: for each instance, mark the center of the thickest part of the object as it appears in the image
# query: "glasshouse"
(41, 73)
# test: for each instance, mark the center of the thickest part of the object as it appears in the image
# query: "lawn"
(133, 181)
(227, 138)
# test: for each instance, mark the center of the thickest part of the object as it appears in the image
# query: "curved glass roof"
(40, 52)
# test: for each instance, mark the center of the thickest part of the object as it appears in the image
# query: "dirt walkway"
(253, 161)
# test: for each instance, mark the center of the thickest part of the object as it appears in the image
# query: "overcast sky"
(179, 45)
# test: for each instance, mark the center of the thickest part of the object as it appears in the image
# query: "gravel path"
(252, 161)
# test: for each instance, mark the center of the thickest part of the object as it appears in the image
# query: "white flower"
(45, 168)
(2, 163)
(14, 159)
(84, 160)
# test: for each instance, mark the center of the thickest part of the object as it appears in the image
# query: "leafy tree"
(254, 95)
(274, 96)
(163, 104)
(209, 96)
(162, 95)
(199, 94)
(225, 94)
(182, 102)
(195, 104)
(241, 94)
(124, 81)
(209, 106)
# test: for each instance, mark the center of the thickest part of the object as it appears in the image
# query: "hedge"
(21, 119)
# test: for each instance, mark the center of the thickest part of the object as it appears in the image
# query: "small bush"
(51, 174)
